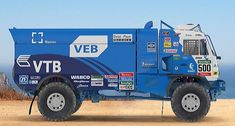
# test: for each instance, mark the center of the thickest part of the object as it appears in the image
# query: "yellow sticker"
(167, 44)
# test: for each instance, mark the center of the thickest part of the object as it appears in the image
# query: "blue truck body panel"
(122, 60)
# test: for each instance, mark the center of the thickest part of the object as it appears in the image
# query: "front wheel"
(56, 101)
(190, 102)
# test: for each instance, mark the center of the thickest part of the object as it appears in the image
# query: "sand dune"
(132, 113)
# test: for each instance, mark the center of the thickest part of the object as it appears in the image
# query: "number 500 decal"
(204, 67)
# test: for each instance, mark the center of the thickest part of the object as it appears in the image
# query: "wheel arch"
(177, 80)
(54, 78)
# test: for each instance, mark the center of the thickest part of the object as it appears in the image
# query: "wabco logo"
(88, 46)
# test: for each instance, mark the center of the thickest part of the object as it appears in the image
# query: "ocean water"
(227, 73)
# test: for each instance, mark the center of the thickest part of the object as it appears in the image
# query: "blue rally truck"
(64, 67)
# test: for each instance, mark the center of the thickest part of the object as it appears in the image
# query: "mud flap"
(216, 88)
(31, 105)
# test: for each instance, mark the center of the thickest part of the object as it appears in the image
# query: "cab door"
(206, 61)
(147, 60)
(169, 48)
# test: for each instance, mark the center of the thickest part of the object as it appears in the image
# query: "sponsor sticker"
(126, 81)
(23, 79)
(204, 67)
(38, 38)
(35, 77)
(126, 74)
(151, 47)
(167, 42)
(167, 39)
(88, 46)
(170, 50)
(33, 81)
(54, 64)
(122, 38)
(165, 33)
(176, 57)
(204, 61)
(82, 85)
(111, 76)
(112, 80)
(175, 43)
(191, 68)
(204, 74)
(112, 84)
(23, 61)
(176, 67)
(97, 80)
(81, 79)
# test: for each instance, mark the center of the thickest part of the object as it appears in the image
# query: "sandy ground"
(132, 113)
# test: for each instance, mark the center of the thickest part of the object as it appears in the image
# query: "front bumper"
(216, 87)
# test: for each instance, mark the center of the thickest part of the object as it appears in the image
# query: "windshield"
(191, 47)
(203, 47)
(195, 47)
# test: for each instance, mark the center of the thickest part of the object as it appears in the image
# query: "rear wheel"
(56, 101)
(190, 102)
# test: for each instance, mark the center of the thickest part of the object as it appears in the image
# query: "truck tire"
(190, 102)
(78, 105)
(56, 101)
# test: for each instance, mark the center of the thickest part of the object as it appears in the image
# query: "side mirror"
(218, 57)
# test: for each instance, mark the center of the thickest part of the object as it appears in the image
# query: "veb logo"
(88, 46)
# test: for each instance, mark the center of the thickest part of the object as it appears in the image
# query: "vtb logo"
(88, 46)
(37, 37)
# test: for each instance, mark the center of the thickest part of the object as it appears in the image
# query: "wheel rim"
(190, 102)
(55, 102)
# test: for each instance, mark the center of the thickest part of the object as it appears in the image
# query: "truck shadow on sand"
(119, 118)
(123, 118)
(138, 118)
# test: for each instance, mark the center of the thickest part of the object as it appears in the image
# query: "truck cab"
(200, 47)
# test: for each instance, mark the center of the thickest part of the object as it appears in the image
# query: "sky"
(216, 17)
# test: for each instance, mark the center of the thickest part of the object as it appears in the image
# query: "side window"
(191, 47)
(203, 47)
